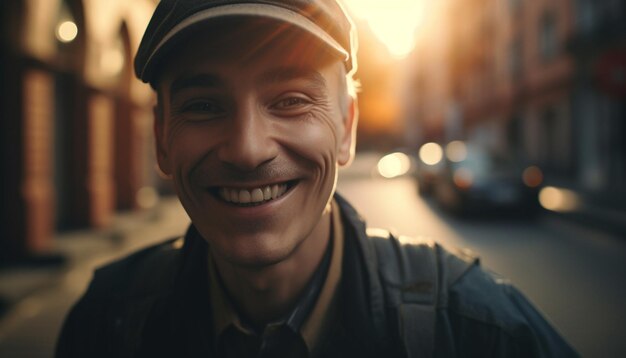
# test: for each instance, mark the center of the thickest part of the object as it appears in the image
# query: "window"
(585, 15)
(548, 37)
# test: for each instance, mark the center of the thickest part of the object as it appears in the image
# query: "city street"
(575, 275)
(486, 104)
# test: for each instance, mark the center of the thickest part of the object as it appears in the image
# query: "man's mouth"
(253, 196)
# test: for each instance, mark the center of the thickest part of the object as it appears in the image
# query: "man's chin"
(255, 259)
(252, 250)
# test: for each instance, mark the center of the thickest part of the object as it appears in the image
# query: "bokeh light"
(147, 197)
(463, 178)
(532, 176)
(67, 31)
(557, 199)
(456, 151)
(394, 165)
(431, 153)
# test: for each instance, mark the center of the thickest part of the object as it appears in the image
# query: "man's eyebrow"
(195, 81)
(285, 74)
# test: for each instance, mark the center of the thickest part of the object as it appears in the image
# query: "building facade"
(75, 125)
(542, 81)
(598, 47)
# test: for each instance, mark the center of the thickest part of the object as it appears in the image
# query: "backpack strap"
(416, 276)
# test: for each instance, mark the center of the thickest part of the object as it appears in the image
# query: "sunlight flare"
(394, 22)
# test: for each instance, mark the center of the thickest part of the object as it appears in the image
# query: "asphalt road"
(573, 274)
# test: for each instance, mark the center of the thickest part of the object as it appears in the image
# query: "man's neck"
(269, 293)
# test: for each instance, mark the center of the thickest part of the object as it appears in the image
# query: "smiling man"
(252, 135)
(256, 111)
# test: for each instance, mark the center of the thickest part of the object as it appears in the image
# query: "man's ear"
(159, 140)
(348, 141)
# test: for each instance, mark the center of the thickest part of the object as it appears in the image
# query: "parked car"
(429, 165)
(426, 177)
(485, 181)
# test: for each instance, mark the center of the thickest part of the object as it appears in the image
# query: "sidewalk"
(87, 249)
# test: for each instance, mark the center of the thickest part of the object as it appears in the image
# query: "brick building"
(75, 123)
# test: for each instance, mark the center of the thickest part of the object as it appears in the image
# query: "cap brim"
(254, 10)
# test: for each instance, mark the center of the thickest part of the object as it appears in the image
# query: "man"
(256, 110)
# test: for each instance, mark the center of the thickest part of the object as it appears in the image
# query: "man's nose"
(249, 142)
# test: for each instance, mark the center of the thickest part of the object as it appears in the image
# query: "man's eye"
(291, 102)
(203, 107)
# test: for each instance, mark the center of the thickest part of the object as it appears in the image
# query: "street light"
(394, 165)
(431, 153)
(67, 31)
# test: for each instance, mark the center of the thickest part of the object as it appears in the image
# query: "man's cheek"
(183, 160)
(314, 141)
(189, 141)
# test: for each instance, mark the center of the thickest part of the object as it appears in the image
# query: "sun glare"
(394, 22)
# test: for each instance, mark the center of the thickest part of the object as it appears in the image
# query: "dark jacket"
(154, 303)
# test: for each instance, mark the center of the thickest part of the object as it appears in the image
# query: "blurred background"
(496, 125)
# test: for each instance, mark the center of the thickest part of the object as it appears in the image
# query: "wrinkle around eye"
(298, 106)
(198, 110)
(199, 106)
(291, 102)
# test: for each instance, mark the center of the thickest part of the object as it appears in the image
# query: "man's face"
(252, 131)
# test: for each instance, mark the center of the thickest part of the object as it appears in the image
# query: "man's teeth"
(252, 196)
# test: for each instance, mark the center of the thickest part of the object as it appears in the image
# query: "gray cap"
(325, 19)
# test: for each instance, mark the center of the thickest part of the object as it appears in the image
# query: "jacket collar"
(362, 305)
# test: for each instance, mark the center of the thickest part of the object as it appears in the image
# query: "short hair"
(350, 86)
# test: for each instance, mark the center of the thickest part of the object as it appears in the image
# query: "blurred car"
(429, 165)
(426, 177)
(482, 181)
